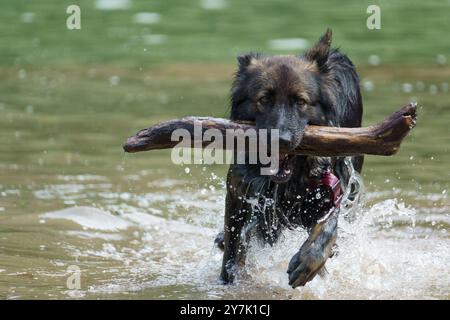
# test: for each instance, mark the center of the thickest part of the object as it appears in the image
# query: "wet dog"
(319, 87)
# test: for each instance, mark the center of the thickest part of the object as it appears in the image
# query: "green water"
(69, 99)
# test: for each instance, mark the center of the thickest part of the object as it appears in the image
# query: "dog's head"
(284, 93)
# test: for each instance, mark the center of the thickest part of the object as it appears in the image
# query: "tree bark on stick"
(383, 138)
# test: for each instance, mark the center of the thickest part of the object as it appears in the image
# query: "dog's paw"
(313, 254)
(304, 266)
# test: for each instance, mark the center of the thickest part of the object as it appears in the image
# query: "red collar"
(329, 180)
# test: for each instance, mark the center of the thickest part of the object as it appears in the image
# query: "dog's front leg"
(234, 240)
(319, 215)
(314, 252)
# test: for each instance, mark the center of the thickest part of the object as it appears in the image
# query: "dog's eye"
(263, 100)
(301, 102)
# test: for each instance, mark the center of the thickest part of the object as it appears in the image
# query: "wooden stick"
(380, 139)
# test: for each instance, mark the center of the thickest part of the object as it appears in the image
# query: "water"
(137, 226)
(158, 242)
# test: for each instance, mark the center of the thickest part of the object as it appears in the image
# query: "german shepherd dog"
(319, 87)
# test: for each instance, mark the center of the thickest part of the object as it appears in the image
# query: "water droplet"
(114, 80)
(420, 85)
(407, 87)
(22, 74)
(441, 59)
(146, 17)
(374, 60)
(433, 89)
(27, 17)
(368, 85)
(213, 4)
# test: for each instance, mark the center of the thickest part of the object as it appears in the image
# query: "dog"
(319, 87)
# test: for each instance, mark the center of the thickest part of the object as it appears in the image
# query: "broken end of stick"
(136, 143)
(128, 146)
(410, 113)
(407, 114)
(392, 131)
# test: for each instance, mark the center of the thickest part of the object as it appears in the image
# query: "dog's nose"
(285, 140)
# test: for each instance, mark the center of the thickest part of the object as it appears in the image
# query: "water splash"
(353, 198)
(386, 250)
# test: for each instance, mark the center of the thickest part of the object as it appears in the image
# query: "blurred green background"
(69, 99)
(214, 31)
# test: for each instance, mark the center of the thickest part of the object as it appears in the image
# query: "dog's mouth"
(285, 169)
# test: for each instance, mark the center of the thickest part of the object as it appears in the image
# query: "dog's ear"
(319, 52)
(245, 60)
